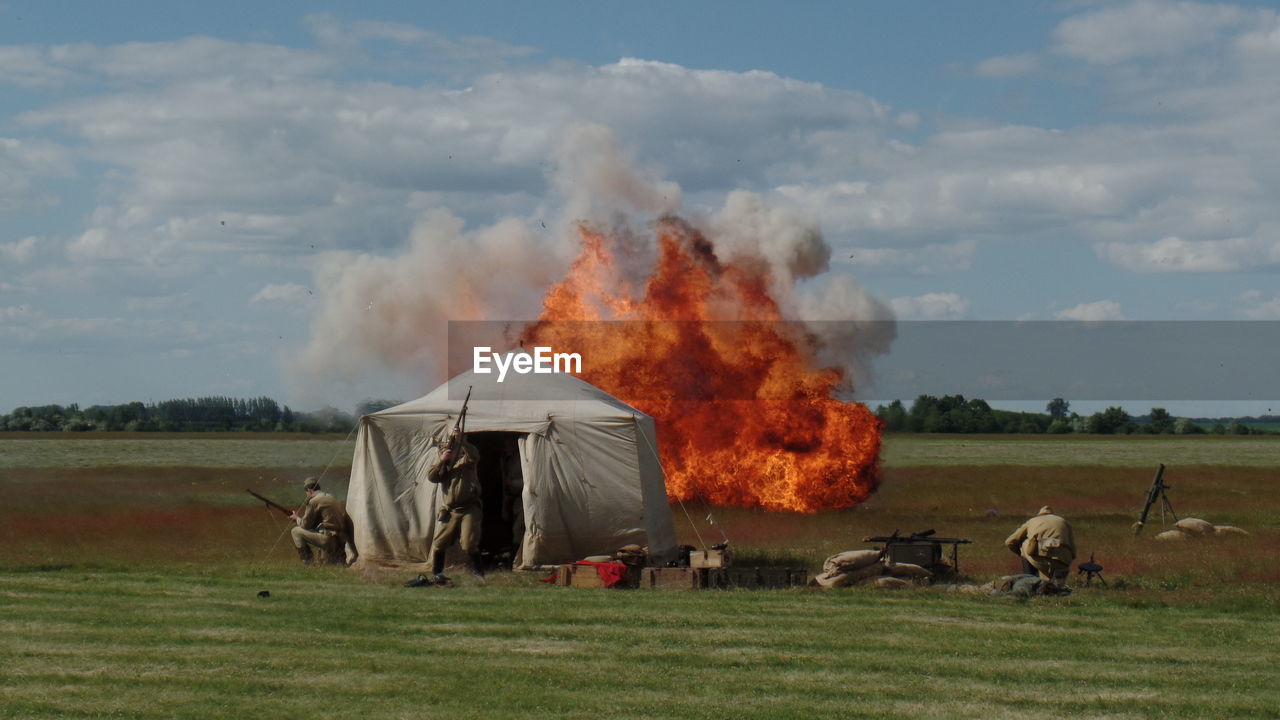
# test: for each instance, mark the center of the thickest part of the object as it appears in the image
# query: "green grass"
(53, 450)
(128, 588)
(1080, 450)
(236, 450)
(84, 643)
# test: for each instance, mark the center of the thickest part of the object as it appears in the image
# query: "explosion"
(744, 416)
(694, 325)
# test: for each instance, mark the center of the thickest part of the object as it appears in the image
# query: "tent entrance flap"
(502, 482)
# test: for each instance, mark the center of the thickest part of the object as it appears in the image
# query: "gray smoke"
(390, 313)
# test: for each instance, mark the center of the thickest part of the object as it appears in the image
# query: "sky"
(223, 198)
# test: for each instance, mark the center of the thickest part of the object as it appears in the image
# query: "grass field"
(129, 581)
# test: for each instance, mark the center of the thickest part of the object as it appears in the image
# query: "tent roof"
(518, 396)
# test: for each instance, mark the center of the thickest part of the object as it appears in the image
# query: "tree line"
(955, 414)
(206, 414)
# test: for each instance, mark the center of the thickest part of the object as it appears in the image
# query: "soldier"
(324, 525)
(1046, 545)
(460, 511)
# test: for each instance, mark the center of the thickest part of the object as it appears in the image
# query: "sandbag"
(1195, 526)
(850, 560)
(853, 577)
(906, 570)
(1229, 530)
(891, 583)
(1177, 535)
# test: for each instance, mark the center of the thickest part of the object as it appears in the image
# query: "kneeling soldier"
(1046, 544)
(322, 525)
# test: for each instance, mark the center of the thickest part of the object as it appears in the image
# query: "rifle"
(455, 444)
(459, 425)
(1154, 493)
(274, 506)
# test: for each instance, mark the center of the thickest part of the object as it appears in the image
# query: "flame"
(743, 417)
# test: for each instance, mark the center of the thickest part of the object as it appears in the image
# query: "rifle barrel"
(270, 504)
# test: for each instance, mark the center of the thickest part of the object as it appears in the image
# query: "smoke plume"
(389, 313)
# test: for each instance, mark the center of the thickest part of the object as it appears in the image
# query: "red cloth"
(613, 574)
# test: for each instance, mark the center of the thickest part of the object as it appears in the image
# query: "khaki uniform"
(323, 525)
(1047, 543)
(460, 511)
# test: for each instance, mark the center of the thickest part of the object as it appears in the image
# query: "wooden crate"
(586, 576)
(710, 559)
(754, 578)
(579, 576)
(672, 578)
(728, 578)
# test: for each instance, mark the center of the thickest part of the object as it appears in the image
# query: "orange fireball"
(744, 418)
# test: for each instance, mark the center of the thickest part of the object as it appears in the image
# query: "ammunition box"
(710, 559)
(727, 578)
(673, 578)
(924, 554)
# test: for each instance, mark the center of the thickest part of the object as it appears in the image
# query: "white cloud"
(21, 251)
(23, 163)
(291, 297)
(160, 303)
(192, 58)
(1008, 66)
(359, 36)
(931, 306)
(1146, 28)
(1094, 311)
(241, 163)
(922, 260)
(1174, 254)
(1253, 305)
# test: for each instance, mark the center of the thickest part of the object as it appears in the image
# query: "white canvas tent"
(592, 479)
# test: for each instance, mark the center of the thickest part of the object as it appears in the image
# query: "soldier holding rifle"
(322, 524)
(460, 511)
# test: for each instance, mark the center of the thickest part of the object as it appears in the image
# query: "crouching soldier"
(323, 525)
(1046, 545)
(459, 512)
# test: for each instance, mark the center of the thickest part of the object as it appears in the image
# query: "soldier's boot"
(437, 570)
(473, 562)
(304, 554)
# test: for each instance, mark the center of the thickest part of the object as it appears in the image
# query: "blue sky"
(290, 199)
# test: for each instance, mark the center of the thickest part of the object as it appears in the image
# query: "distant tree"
(1059, 427)
(1185, 426)
(894, 416)
(1236, 427)
(1111, 421)
(1218, 429)
(1161, 421)
(372, 406)
(1058, 408)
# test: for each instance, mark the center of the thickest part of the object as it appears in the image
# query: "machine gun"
(922, 548)
(1154, 493)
